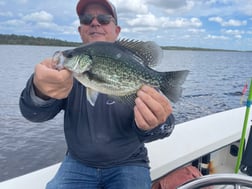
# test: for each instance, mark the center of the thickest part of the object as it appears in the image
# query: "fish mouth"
(58, 60)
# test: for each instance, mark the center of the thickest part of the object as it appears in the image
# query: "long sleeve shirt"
(103, 135)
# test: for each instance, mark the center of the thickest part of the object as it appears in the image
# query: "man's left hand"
(152, 108)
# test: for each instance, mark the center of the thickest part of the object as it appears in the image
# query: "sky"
(218, 24)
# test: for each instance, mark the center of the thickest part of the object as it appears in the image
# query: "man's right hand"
(51, 83)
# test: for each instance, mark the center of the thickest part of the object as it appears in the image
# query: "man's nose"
(95, 22)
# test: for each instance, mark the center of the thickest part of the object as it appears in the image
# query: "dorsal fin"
(149, 52)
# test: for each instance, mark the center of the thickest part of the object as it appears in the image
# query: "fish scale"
(125, 81)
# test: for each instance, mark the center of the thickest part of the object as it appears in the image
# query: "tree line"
(30, 40)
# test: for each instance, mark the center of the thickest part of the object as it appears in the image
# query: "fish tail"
(171, 84)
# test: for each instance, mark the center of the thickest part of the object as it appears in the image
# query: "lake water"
(214, 84)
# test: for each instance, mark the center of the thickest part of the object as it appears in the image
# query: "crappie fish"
(121, 68)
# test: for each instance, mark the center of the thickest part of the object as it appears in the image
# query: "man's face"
(96, 31)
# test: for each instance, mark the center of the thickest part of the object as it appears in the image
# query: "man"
(105, 141)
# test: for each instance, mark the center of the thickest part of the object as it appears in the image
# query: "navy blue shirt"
(101, 136)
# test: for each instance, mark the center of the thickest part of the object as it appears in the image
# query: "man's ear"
(118, 30)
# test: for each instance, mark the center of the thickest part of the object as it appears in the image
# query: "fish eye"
(68, 54)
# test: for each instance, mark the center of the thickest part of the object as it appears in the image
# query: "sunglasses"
(103, 19)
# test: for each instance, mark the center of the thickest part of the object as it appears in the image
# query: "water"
(214, 84)
(215, 81)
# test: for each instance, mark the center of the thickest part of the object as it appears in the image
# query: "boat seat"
(177, 177)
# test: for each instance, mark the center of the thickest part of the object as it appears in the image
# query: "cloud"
(233, 32)
(146, 6)
(220, 37)
(144, 29)
(150, 20)
(196, 31)
(238, 34)
(41, 16)
(143, 20)
(216, 19)
(230, 22)
(170, 4)
(39, 23)
(245, 6)
(173, 6)
(47, 26)
(13, 23)
(6, 14)
(180, 22)
(133, 6)
(233, 22)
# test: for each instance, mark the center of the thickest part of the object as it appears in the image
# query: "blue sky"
(222, 24)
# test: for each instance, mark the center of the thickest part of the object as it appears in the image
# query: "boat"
(211, 143)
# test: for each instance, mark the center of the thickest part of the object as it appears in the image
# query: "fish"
(119, 69)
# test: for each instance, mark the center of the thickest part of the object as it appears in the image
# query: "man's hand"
(51, 82)
(152, 108)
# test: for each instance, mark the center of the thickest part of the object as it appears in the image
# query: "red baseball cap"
(83, 3)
